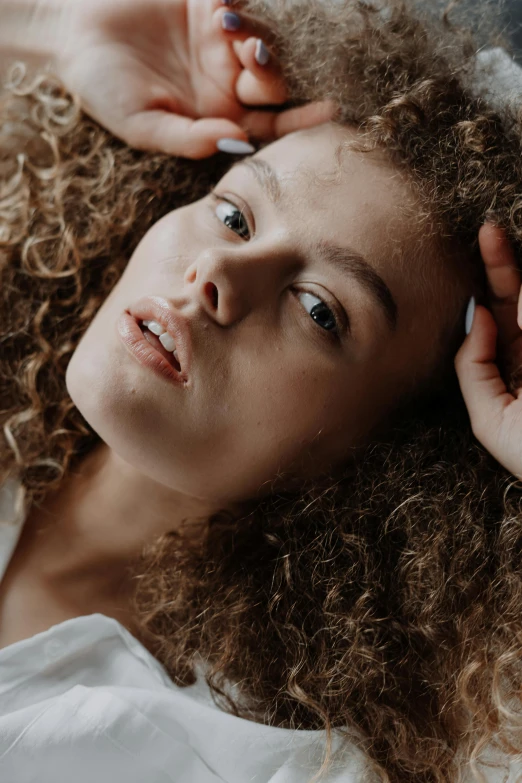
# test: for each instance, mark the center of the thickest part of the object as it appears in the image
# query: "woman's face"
(295, 354)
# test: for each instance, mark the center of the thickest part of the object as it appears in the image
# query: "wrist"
(33, 29)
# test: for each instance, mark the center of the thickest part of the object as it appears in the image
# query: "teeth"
(154, 327)
(167, 342)
(164, 337)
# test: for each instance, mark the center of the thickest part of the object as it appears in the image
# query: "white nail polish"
(262, 54)
(470, 314)
(235, 146)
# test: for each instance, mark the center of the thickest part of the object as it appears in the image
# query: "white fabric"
(498, 78)
(84, 701)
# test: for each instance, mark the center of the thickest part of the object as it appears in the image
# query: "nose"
(230, 282)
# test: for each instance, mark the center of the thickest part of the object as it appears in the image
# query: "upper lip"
(155, 308)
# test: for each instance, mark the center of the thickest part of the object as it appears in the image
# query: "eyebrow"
(344, 259)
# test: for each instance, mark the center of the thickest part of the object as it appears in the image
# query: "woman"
(292, 508)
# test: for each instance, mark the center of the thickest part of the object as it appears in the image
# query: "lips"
(156, 308)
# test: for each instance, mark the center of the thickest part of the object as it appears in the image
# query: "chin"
(98, 391)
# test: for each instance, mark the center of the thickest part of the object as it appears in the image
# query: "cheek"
(170, 237)
(345, 410)
(277, 409)
(284, 391)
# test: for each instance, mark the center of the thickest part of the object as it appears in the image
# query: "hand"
(496, 336)
(164, 75)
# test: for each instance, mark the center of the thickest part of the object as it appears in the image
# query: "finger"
(504, 280)
(175, 134)
(250, 91)
(238, 24)
(482, 386)
(235, 25)
(268, 126)
(258, 84)
(499, 259)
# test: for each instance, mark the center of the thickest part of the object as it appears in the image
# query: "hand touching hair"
(490, 360)
(176, 76)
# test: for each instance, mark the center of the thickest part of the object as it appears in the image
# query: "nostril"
(212, 292)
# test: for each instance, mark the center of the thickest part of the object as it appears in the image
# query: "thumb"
(484, 391)
(175, 134)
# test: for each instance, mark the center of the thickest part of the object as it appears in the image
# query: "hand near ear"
(165, 75)
(496, 338)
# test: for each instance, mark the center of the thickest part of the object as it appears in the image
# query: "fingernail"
(230, 21)
(470, 314)
(235, 146)
(262, 54)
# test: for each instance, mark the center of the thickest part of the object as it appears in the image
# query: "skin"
(269, 391)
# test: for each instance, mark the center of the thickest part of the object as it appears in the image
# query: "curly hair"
(383, 600)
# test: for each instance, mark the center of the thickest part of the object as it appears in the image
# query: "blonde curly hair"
(385, 598)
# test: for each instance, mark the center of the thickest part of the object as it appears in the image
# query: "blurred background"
(513, 13)
(503, 16)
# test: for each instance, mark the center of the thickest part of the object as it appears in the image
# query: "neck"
(97, 523)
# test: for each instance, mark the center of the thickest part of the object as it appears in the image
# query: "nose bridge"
(232, 280)
(235, 261)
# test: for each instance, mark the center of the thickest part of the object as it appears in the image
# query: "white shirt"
(85, 701)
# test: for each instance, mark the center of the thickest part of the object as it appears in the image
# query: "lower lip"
(143, 351)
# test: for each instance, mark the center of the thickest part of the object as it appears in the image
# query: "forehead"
(333, 190)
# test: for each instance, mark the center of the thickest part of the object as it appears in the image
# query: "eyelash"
(329, 334)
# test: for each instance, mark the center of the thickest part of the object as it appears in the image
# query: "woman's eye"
(232, 217)
(321, 313)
